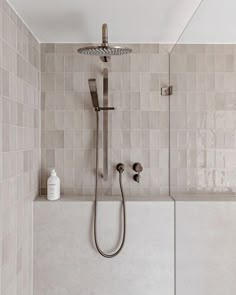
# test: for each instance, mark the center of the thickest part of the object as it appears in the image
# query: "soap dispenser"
(53, 186)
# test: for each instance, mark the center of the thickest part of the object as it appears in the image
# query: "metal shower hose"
(96, 197)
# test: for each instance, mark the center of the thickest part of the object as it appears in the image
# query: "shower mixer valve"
(137, 167)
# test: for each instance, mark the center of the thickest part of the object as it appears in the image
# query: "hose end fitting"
(120, 167)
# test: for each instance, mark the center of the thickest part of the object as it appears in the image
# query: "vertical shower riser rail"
(105, 125)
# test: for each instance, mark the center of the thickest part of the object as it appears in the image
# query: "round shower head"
(104, 51)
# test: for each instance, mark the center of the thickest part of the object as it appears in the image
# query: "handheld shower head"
(104, 51)
(93, 92)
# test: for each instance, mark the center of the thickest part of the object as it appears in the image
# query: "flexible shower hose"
(96, 201)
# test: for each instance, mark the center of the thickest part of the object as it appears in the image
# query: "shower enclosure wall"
(19, 150)
(183, 244)
(196, 224)
(138, 128)
(138, 132)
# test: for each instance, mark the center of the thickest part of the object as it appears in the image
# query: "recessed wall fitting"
(120, 167)
(167, 91)
(137, 167)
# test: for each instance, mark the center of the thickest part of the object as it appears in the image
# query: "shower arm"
(104, 35)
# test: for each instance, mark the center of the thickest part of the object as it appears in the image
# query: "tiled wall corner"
(138, 126)
(19, 149)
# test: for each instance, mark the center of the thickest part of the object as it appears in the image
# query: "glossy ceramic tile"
(19, 150)
(202, 116)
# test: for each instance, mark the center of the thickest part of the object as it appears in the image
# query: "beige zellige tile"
(6, 110)
(49, 63)
(54, 139)
(89, 158)
(135, 120)
(49, 120)
(69, 82)
(134, 84)
(69, 139)
(79, 82)
(115, 81)
(69, 158)
(131, 81)
(146, 62)
(71, 101)
(5, 138)
(145, 101)
(89, 138)
(79, 142)
(59, 63)
(78, 119)
(59, 82)
(59, 120)
(47, 47)
(135, 100)
(69, 120)
(69, 63)
(144, 123)
(5, 83)
(79, 63)
(89, 120)
(50, 158)
(149, 48)
(49, 82)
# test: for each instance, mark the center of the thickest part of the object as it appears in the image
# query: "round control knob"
(137, 167)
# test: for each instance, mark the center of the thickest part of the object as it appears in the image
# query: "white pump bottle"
(53, 187)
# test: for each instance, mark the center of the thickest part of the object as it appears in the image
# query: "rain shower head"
(104, 51)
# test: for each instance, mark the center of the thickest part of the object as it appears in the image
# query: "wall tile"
(19, 153)
(202, 118)
(54, 139)
(70, 122)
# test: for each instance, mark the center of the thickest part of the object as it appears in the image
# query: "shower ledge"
(205, 198)
(176, 198)
(76, 198)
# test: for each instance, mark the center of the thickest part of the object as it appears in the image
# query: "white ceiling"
(214, 22)
(129, 21)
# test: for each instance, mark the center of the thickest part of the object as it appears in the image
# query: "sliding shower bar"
(105, 108)
(105, 125)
